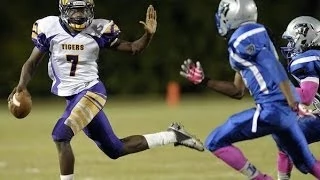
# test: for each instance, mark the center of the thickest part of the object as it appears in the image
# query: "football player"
(252, 55)
(73, 41)
(303, 53)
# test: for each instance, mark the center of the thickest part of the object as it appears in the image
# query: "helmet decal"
(302, 33)
(232, 13)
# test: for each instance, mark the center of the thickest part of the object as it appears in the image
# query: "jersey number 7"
(74, 61)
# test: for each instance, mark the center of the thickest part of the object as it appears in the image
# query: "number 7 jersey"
(73, 58)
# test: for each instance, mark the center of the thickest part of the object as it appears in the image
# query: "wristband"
(204, 81)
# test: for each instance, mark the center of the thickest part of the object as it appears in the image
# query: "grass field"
(28, 153)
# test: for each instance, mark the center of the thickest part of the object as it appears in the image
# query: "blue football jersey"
(252, 54)
(306, 64)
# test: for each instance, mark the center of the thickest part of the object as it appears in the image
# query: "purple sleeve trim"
(42, 42)
(106, 39)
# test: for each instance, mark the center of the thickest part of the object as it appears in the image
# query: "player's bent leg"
(80, 110)
(236, 128)
(100, 130)
(293, 142)
(176, 134)
(310, 128)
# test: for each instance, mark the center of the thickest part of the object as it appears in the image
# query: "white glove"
(303, 110)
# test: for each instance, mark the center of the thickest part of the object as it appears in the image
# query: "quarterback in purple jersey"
(254, 58)
(73, 41)
(303, 53)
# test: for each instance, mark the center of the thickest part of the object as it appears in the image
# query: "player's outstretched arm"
(150, 26)
(194, 73)
(28, 69)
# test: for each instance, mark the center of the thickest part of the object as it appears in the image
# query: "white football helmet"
(301, 33)
(232, 13)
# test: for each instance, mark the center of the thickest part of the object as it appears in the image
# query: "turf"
(27, 152)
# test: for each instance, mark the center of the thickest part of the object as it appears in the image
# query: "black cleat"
(184, 138)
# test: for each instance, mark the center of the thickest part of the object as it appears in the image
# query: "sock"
(250, 171)
(234, 158)
(285, 166)
(66, 177)
(316, 170)
(160, 139)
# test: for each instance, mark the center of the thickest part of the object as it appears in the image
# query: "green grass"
(28, 153)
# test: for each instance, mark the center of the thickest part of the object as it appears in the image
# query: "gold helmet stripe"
(63, 2)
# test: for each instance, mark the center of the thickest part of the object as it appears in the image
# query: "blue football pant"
(310, 127)
(275, 118)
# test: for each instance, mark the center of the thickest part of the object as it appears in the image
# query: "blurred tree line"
(186, 29)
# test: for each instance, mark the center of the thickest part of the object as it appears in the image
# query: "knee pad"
(61, 132)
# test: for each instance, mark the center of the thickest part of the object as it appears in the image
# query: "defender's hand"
(17, 89)
(151, 20)
(302, 110)
(192, 72)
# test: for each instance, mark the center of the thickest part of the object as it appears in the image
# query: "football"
(20, 104)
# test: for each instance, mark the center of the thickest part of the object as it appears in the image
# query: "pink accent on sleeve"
(307, 91)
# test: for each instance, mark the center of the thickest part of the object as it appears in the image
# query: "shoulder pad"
(310, 53)
(47, 26)
(249, 39)
(305, 65)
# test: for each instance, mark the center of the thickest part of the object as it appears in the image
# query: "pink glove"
(192, 72)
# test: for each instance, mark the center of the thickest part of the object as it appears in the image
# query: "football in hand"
(20, 104)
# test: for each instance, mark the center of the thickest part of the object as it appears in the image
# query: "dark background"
(186, 28)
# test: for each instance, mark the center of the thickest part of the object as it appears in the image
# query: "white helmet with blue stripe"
(232, 13)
